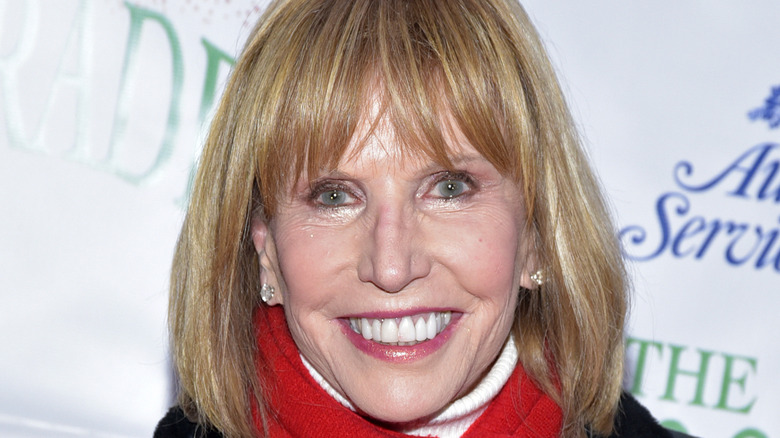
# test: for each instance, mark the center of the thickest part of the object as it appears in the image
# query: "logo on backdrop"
(752, 176)
(770, 112)
(132, 152)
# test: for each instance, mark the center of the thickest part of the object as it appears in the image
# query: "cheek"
(307, 261)
(308, 258)
(485, 255)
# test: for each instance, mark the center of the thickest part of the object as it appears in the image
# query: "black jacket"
(633, 421)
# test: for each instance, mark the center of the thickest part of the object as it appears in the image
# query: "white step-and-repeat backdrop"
(102, 104)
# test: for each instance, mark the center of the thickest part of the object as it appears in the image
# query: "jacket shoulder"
(634, 420)
(176, 425)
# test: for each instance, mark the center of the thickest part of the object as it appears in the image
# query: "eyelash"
(319, 188)
(463, 177)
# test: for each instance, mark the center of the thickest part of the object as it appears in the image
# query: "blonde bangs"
(322, 65)
(311, 73)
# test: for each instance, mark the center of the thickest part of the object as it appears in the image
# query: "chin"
(398, 417)
(402, 404)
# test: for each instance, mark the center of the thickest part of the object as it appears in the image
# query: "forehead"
(377, 139)
(378, 129)
(381, 155)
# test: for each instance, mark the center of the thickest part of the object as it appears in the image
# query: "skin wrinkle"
(395, 246)
(296, 98)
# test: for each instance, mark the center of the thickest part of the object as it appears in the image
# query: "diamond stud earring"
(538, 277)
(266, 292)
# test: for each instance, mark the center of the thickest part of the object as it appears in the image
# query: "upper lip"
(400, 313)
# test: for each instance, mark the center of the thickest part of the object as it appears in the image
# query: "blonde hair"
(292, 105)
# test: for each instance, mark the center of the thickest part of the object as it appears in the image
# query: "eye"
(450, 188)
(452, 185)
(335, 198)
(332, 194)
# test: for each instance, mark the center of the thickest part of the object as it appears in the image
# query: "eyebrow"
(456, 160)
(462, 159)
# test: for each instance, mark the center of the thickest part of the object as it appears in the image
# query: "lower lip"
(400, 353)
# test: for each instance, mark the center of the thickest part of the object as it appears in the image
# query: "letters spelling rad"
(79, 48)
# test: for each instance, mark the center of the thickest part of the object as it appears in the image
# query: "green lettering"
(674, 425)
(729, 380)
(138, 16)
(9, 72)
(78, 41)
(675, 371)
(751, 433)
(641, 360)
(214, 57)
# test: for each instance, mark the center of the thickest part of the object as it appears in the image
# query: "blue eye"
(451, 188)
(334, 198)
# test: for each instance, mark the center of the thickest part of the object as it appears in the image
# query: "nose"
(394, 252)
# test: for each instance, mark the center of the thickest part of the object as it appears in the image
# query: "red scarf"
(301, 408)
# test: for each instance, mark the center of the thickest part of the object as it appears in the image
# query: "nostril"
(393, 257)
(388, 278)
(393, 275)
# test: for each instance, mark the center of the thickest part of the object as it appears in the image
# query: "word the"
(733, 394)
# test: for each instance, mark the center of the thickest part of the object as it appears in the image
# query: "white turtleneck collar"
(456, 418)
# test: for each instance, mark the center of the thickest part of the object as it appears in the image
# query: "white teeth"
(365, 329)
(402, 331)
(389, 330)
(431, 325)
(406, 330)
(420, 330)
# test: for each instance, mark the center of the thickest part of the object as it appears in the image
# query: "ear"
(532, 278)
(533, 274)
(269, 265)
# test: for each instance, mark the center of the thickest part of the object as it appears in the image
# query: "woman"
(394, 232)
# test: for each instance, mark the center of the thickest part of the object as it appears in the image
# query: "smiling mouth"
(404, 331)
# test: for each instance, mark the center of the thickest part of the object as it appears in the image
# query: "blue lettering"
(765, 192)
(747, 164)
(715, 229)
(637, 235)
(762, 259)
(769, 112)
(741, 229)
(739, 242)
(690, 229)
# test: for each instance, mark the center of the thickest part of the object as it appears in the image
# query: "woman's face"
(399, 279)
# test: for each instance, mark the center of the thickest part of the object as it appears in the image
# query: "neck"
(457, 416)
(296, 405)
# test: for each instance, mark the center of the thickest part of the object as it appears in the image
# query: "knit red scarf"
(301, 408)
